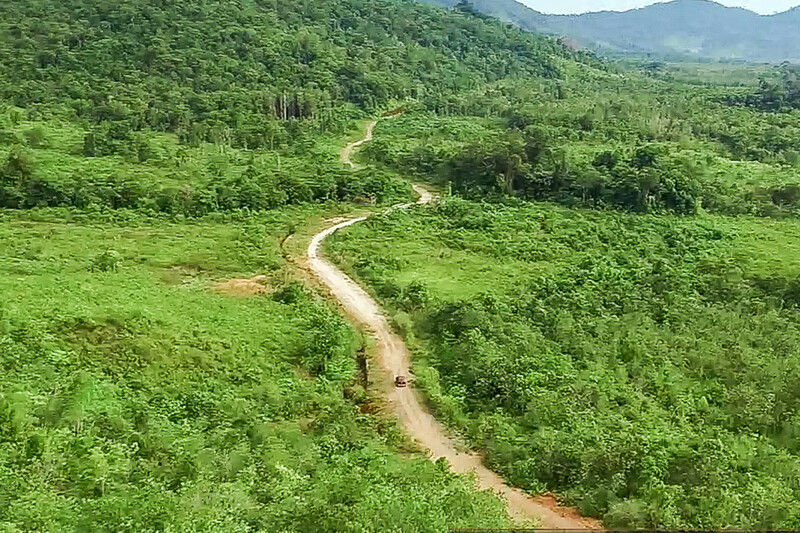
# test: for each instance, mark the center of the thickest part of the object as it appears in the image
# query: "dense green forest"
(603, 139)
(84, 84)
(232, 72)
(605, 303)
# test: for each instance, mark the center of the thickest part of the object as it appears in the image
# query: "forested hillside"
(138, 395)
(602, 312)
(231, 71)
(253, 76)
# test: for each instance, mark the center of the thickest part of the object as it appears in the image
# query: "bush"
(291, 293)
(108, 261)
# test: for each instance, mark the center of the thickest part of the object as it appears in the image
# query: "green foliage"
(642, 366)
(35, 137)
(108, 261)
(220, 106)
(242, 74)
(141, 400)
(780, 94)
(630, 143)
(160, 175)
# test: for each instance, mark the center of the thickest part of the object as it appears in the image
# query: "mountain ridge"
(712, 3)
(699, 29)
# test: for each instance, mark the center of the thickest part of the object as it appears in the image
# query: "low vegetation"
(640, 365)
(606, 303)
(136, 398)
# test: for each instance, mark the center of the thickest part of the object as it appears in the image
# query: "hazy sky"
(581, 6)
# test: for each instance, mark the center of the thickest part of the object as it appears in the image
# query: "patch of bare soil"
(243, 288)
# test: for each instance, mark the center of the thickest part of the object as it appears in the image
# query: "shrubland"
(135, 397)
(642, 366)
(241, 73)
(605, 303)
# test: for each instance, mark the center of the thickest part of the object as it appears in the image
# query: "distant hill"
(689, 28)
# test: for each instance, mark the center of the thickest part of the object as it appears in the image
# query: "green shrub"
(108, 261)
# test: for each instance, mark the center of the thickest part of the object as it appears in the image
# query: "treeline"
(530, 161)
(526, 164)
(23, 186)
(779, 94)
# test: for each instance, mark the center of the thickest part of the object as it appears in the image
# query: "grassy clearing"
(135, 398)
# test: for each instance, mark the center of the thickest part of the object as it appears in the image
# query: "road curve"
(395, 359)
(349, 148)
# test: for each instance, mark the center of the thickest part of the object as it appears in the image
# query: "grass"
(136, 398)
(498, 249)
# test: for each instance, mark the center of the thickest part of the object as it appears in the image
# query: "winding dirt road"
(348, 150)
(408, 406)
